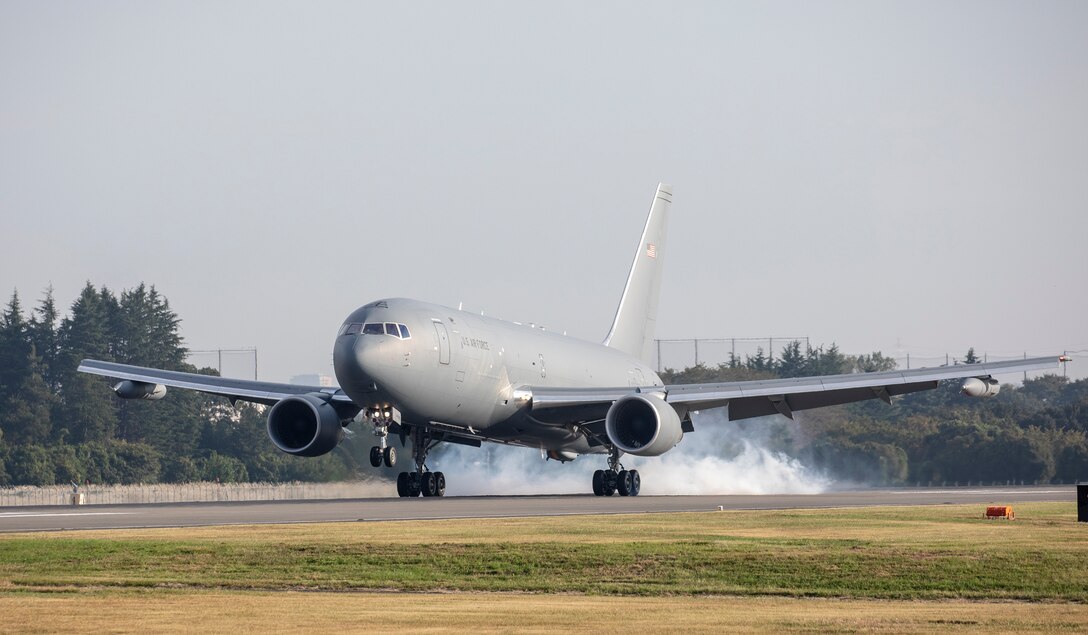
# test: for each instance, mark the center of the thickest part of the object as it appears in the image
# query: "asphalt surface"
(14, 519)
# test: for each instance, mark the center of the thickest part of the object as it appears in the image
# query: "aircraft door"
(443, 343)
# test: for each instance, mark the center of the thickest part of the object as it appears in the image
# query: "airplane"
(430, 374)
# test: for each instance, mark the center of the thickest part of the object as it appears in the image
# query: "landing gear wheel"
(609, 482)
(623, 483)
(375, 456)
(402, 484)
(636, 483)
(439, 484)
(429, 486)
(598, 483)
(414, 484)
(389, 455)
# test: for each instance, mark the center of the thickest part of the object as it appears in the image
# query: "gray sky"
(880, 175)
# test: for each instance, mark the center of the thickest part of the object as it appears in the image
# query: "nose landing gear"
(381, 419)
(616, 479)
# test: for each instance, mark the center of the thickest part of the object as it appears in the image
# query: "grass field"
(918, 568)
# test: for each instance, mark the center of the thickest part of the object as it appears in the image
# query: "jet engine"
(305, 425)
(980, 387)
(644, 425)
(139, 390)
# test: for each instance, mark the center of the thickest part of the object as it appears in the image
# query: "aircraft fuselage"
(465, 370)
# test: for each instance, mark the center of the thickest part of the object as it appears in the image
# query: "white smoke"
(720, 457)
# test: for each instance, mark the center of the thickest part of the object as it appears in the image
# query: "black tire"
(389, 455)
(609, 482)
(402, 484)
(440, 484)
(428, 486)
(623, 483)
(598, 483)
(413, 484)
(375, 456)
(636, 482)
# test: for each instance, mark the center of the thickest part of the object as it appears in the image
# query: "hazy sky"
(880, 175)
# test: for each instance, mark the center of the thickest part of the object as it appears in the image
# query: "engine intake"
(129, 389)
(643, 425)
(305, 425)
(980, 387)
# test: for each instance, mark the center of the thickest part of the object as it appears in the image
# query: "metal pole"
(1064, 363)
(908, 361)
(220, 351)
(1025, 372)
(658, 358)
(696, 351)
(770, 349)
(254, 363)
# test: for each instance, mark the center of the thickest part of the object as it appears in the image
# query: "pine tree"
(46, 339)
(88, 412)
(15, 347)
(25, 413)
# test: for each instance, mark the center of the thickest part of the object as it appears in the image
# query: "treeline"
(1037, 432)
(59, 426)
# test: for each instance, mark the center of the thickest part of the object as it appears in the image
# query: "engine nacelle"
(139, 390)
(644, 425)
(980, 387)
(305, 425)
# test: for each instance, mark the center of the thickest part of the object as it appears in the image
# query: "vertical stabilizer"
(633, 329)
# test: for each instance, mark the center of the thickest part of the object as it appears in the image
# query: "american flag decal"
(651, 250)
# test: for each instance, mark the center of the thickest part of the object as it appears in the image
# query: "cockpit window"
(351, 328)
(398, 331)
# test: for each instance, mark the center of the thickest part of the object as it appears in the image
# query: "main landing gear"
(422, 481)
(616, 479)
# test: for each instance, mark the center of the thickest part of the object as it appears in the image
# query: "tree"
(15, 347)
(792, 362)
(30, 465)
(872, 363)
(25, 413)
(45, 338)
(88, 411)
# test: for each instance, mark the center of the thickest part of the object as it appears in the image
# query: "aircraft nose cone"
(345, 362)
(357, 360)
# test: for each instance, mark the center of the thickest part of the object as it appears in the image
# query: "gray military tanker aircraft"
(430, 374)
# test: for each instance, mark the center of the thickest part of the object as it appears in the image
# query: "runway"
(17, 519)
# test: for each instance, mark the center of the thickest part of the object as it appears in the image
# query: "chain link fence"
(23, 496)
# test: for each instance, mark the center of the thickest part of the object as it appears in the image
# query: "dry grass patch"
(187, 611)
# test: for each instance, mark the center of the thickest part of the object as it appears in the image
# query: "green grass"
(890, 553)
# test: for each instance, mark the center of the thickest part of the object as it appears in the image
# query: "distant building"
(314, 379)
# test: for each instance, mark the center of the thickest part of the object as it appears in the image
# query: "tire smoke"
(720, 457)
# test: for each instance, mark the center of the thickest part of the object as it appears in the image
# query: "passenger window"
(391, 329)
(404, 332)
(373, 329)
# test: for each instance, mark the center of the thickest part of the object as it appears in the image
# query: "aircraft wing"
(782, 396)
(262, 392)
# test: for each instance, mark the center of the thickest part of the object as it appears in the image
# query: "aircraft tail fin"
(633, 329)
